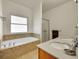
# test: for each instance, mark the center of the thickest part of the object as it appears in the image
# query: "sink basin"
(59, 45)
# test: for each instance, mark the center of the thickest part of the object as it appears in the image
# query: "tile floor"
(31, 55)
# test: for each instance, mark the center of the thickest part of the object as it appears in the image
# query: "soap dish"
(70, 52)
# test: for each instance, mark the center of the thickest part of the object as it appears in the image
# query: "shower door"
(45, 30)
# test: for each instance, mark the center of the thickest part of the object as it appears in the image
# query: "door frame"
(48, 28)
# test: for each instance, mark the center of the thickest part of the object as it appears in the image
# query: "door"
(45, 30)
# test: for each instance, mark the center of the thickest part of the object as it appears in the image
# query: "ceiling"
(49, 4)
(28, 3)
(46, 4)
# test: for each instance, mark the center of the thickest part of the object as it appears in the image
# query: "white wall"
(37, 19)
(0, 7)
(1, 21)
(0, 28)
(63, 18)
(12, 8)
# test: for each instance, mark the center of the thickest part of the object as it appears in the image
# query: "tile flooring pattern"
(31, 55)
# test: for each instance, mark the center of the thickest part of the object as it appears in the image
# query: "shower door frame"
(48, 28)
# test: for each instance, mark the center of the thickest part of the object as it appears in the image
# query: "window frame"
(19, 24)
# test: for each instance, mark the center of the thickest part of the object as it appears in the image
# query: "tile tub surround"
(16, 52)
(19, 35)
(1, 37)
(16, 36)
(1, 40)
(36, 35)
(31, 55)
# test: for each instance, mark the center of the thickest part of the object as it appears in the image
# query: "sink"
(57, 45)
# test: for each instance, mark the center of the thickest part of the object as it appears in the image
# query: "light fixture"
(76, 1)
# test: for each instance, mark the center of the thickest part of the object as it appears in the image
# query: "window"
(18, 24)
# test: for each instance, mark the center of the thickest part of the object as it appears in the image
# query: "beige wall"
(64, 19)
(37, 19)
(12, 8)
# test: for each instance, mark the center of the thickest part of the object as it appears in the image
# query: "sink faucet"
(74, 44)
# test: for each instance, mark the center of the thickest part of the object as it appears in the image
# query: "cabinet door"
(44, 55)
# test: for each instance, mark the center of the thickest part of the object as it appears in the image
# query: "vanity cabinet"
(44, 55)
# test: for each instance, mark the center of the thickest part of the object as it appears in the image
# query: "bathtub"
(17, 42)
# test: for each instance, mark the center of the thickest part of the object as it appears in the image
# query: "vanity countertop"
(59, 53)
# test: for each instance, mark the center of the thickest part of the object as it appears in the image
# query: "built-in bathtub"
(17, 42)
(12, 49)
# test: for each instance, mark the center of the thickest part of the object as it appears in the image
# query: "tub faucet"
(13, 43)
